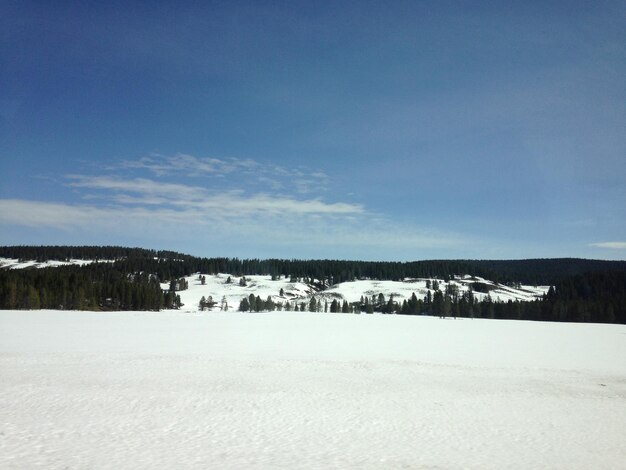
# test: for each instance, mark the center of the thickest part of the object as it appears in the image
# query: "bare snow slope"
(218, 287)
(315, 391)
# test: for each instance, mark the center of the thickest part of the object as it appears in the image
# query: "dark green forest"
(583, 290)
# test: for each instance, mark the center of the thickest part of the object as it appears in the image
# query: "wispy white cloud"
(141, 186)
(610, 245)
(232, 203)
(161, 165)
(301, 180)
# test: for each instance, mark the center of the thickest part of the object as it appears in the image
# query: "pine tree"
(244, 305)
(437, 304)
(32, 300)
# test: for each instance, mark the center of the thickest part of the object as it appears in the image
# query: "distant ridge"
(542, 271)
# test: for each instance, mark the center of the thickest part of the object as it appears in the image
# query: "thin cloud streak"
(138, 185)
(610, 245)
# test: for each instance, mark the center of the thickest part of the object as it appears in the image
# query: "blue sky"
(360, 130)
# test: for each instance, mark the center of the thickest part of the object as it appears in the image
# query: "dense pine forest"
(129, 279)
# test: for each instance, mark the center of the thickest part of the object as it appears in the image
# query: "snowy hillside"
(226, 291)
(282, 390)
(352, 291)
(13, 263)
(217, 287)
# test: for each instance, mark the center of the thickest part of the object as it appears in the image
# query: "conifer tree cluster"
(93, 287)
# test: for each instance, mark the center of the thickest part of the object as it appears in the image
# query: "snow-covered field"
(303, 390)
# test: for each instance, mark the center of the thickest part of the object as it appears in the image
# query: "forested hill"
(132, 278)
(168, 264)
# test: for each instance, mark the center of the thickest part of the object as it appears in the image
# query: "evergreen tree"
(437, 304)
(32, 300)
(244, 305)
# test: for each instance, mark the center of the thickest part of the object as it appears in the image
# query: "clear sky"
(361, 130)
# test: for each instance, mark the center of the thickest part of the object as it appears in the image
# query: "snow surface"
(286, 390)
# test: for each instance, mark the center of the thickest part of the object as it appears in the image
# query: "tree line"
(167, 265)
(592, 297)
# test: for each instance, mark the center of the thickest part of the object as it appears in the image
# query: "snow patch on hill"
(14, 263)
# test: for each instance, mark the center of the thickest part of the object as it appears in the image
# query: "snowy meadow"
(235, 390)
